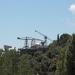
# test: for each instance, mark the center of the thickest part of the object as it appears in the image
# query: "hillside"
(59, 59)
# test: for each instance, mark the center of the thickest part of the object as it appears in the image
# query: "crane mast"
(25, 41)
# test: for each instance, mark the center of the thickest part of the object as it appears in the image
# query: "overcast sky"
(22, 17)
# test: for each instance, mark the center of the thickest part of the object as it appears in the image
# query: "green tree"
(24, 67)
(9, 63)
(71, 57)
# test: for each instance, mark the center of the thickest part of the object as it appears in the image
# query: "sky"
(20, 18)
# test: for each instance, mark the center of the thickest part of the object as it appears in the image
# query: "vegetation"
(59, 59)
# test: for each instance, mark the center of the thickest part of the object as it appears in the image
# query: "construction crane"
(26, 40)
(45, 38)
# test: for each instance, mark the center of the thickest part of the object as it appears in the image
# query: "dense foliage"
(59, 59)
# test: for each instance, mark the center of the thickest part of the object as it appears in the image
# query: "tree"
(9, 62)
(71, 57)
(24, 65)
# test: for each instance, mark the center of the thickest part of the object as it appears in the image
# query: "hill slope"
(59, 59)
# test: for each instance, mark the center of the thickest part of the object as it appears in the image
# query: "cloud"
(72, 8)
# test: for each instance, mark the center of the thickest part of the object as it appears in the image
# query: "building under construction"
(40, 45)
